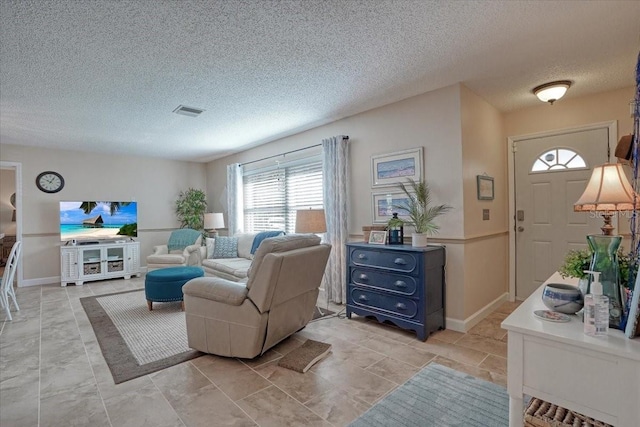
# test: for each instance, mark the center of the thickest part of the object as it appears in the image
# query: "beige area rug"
(135, 341)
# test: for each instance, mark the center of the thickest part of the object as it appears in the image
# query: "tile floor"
(52, 372)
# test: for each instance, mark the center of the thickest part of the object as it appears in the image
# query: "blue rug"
(439, 396)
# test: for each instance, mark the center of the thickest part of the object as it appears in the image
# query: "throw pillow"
(180, 239)
(211, 243)
(264, 235)
(226, 247)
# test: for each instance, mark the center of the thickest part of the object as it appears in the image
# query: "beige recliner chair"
(246, 319)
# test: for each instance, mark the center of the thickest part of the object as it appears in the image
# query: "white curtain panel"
(335, 161)
(235, 220)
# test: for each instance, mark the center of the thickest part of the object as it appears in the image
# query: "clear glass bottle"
(596, 309)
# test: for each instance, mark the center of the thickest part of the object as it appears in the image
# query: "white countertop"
(523, 320)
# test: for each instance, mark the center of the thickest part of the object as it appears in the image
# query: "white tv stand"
(105, 260)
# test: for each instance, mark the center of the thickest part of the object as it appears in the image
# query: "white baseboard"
(40, 281)
(471, 321)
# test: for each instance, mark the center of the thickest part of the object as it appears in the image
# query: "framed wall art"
(392, 168)
(378, 237)
(382, 206)
(485, 187)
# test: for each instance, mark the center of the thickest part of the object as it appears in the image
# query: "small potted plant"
(575, 263)
(420, 210)
(395, 226)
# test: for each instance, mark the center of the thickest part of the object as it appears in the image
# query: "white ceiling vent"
(188, 111)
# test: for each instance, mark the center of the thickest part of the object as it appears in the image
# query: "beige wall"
(568, 113)
(153, 183)
(459, 132)
(7, 188)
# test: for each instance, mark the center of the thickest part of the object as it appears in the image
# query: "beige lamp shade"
(213, 221)
(608, 191)
(310, 221)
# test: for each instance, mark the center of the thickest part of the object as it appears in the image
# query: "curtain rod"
(284, 154)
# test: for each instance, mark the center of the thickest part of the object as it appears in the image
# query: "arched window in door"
(558, 159)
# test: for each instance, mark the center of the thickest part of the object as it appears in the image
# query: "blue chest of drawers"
(400, 284)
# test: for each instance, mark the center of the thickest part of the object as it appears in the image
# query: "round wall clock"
(49, 182)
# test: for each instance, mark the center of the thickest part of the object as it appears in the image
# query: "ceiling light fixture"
(551, 92)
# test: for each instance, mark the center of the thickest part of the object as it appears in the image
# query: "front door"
(551, 174)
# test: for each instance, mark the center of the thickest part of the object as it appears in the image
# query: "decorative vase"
(418, 240)
(605, 260)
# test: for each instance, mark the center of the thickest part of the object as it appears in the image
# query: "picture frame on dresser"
(378, 237)
(392, 168)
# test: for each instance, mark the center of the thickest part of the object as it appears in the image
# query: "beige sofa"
(234, 269)
(246, 319)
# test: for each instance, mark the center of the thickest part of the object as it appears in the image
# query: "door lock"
(521, 228)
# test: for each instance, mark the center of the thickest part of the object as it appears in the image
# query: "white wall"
(7, 188)
(153, 183)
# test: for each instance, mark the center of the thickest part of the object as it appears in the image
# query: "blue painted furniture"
(399, 283)
(165, 284)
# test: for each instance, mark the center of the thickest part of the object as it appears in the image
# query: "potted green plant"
(577, 261)
(190, 208)
(420, 210)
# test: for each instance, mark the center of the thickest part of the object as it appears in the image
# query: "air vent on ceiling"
(188, 111)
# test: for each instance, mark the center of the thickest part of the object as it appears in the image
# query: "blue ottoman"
(165, 284)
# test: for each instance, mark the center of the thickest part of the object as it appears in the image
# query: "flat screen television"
(98, 220)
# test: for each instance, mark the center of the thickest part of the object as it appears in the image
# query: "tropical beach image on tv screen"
(98, 220)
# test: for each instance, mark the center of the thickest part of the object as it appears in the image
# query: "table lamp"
(213, 221)
(608, 191)
(310, 221)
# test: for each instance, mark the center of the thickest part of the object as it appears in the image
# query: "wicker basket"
(115, 266)
(92, 268)
(544, 414)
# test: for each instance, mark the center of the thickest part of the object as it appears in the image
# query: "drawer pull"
(364, 277)
(400, 261)
(361, 256)
(401, 306)
(363, 298)
(400, 284)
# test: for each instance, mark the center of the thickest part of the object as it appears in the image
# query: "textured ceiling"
(106, 75)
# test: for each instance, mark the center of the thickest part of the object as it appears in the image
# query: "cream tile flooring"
(52, 372)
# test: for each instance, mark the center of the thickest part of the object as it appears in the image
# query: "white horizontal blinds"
(272, 197)
(264, 201)
(304, 190)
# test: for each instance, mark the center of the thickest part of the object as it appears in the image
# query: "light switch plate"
(485, 214)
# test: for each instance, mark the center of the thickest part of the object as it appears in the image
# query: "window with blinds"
(272, 196)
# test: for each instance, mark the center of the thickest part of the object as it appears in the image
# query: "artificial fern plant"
(190, 208)
(419, 208)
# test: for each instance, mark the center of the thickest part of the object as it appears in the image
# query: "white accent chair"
(183, 248)
(6, 288)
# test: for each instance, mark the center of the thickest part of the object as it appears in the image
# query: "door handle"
(521, 228)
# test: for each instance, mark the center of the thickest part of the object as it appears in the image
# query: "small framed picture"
(392, 168)
(485, 187)
(378, 237)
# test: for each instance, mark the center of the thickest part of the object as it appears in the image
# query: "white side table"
(557, 362)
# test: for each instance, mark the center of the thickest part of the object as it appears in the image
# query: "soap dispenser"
(596, 309)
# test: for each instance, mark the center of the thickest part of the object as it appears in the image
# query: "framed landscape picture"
(382, 206)
(485, 187)
(392, 168)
